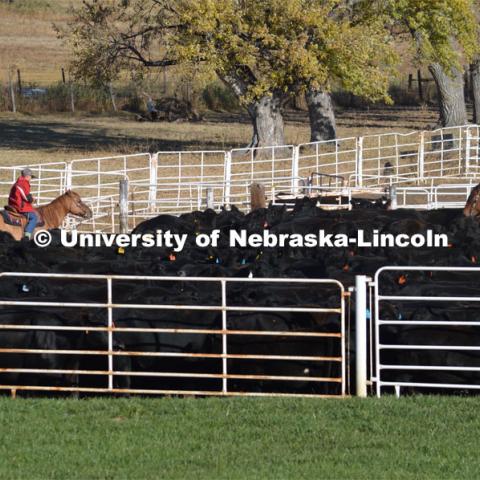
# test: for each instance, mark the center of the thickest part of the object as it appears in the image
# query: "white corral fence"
(177, 182)
(49, 185)
(446, 357)
(422, 337)
(227, 370)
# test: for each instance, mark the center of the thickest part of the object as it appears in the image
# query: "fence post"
(12, 92)
(421, 157)
(295, 160)
(393, 197)
(209, 199)
(420, 86)
(110, 326)
(152, 189)
(224, 336)
(68, 176)
(361, 334)
(359, 166)
(112, 97)
(257, 196)
(227, 178)
(19, 80)
(72, 98)
(468, 146)
(123, 205)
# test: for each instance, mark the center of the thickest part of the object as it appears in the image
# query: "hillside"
(29, 42)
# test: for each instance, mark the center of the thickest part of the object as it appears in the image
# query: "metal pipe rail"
(380, 323)
(371, 160)
(192, 195)
(111, 329)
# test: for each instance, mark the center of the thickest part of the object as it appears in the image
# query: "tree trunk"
(322, 116)
(475, 83)
(265, 113)
(451, 96)
(267, 121)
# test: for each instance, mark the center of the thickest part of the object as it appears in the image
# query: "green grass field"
(417, 437)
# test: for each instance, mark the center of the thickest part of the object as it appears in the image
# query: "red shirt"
(19, 193)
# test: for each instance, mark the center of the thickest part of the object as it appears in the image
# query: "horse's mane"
(53, 213)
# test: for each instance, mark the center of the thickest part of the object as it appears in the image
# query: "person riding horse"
(21, 200)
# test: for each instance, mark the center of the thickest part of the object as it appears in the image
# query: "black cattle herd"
(339, 263)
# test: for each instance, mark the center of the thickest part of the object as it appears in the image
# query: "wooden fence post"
(123, 206)
(257, 196)
(112, 97)
(210, 201)
(393, 197)
(420, 86)
(19, 78)
(72, 98)
(12, 92)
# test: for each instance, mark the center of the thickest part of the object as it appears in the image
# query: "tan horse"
(52, 214)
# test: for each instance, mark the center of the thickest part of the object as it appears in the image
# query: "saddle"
(12, 217)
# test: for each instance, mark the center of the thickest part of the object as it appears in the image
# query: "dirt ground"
(45, 138)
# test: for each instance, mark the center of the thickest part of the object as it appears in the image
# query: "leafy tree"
(475, 72)
(265, 50)
(475, 79)
(443, 33)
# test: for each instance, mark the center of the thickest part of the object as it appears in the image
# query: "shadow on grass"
(24, 134)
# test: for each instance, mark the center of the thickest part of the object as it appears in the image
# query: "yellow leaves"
(287, 46)
(442, 30)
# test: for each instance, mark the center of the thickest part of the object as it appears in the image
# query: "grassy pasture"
(417, 437)
(29, 42)
(45, 138)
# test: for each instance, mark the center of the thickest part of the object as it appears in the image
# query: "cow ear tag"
(121, 251)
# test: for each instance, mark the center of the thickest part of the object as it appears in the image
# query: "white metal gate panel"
(436, 354)
(48, 186)
(178, 182)
(97, 178)
(182, 180)
(230, 328)
(389, 158)
(274, 167)
(332, 157)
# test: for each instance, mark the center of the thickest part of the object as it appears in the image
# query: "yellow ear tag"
(121, 250)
